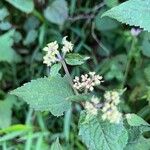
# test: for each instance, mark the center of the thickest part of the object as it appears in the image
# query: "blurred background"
(117, 52)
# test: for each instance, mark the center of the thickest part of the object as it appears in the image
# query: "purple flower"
(135, 32)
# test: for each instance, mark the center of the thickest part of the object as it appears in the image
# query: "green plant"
(91, 94)
(100, 121)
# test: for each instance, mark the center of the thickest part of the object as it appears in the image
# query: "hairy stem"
(68, 75)
(67, 72)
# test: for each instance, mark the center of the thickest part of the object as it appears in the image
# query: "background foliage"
(123, 59)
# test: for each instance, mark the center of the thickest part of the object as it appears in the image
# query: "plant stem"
(38, 15)
(68, 75)
(130, 56)
(28, 143)
(62, 61)
(29, 117)
(14, 75)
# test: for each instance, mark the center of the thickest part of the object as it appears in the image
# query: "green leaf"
(55, 69)
(80, 97)
(102, 135)
(31, 23)
(141, 144)
(17, 37)
(1, 75)
(128, 12)
(56, 145)
(46, 94)
(111, 3)
(75, 59)
(147, 73)
(6, 52)
(3, 13)
(26, 6)
(136, 128)
(147, 95)
(135, 120)
(145, 48)
(103, 24)
(14, 128)
(11, 136)
(57, 12)
(115, 72)
(5, 25)
(5, 111)
(31, 37)
(67, 124)
(42, 33)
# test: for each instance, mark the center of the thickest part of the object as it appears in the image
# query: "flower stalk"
(68, 75)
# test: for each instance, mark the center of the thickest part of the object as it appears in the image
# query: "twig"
(81, 17)
(90, 15)
(96, 39)
(97, 7)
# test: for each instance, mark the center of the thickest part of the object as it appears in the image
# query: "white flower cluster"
(87, 81)
(110, 110)
(112, 96)
(90, 106)
(52, 52)
(51, 55)
(67, 46)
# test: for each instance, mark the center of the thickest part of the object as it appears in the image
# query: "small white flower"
(53, 45)
(87, 82)
(51, 48)
(76, 79)
(114, 116)
(97, 82)
(46, 49)
(92, 73)
(95, 100)
(110, 110)
(91, 88)
(106, 107)
(107, 96)
(128, 116)
(51, 53)
(113, 96)
(49, 59)
(90, 108)
(67, 46)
